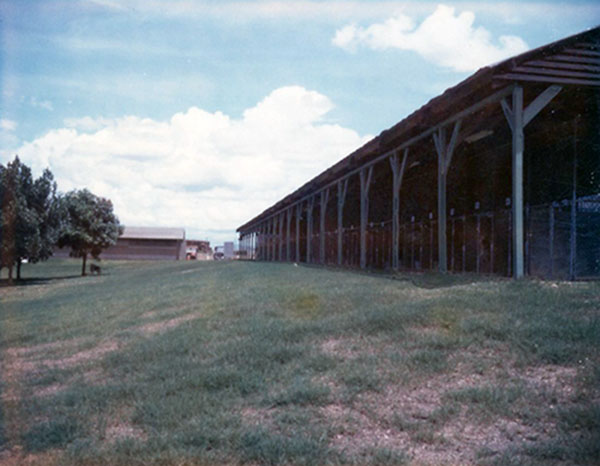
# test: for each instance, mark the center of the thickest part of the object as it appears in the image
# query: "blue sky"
(202, 114)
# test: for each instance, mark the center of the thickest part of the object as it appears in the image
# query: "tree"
(90, 225)
(8, 215)
(42, 200)
(29, 217)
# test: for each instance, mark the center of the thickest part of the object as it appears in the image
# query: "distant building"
(228, 249)
(202, 246)
(148, 243)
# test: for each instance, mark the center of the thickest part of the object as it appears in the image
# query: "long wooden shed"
(500, 174)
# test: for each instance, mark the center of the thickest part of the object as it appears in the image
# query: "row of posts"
(517, 117)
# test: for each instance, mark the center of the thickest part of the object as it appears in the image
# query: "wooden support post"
(510, 235)
(267, 246)
(412, 242)
(259, 241)
(365, 182)
(452, 240)
(421, 260)
(280, 237)
(464, 244)
(444, 158)
(551, 235)
(398, 174)
(298, 215)
(517, 118)
(442, 257)
(268, 229)
(265, 241)
(288, 220)
(492, 234)
(323, 210)
(518, 142)
(431, 240)
(309, 227)
(478, 251)
(573, 238)
(342, 187)
(273, 237)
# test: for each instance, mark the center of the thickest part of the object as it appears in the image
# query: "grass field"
(250, 363)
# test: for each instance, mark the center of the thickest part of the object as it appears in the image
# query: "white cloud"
(205, 171)
(45, 104)
(88, 124)
(7, 125)
(8, 139)
(443, 38)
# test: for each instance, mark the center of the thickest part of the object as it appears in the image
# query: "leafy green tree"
(90, 225)
(42, 200)
(19, 223)
(8, 214)
(29, 217)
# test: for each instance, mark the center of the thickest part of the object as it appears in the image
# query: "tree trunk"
(10, 274)
(19, 270)
(83, 265)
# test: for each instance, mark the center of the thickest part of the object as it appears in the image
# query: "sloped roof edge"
(432, 113)
(153, 233)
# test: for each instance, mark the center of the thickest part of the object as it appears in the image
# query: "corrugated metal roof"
(153, 233)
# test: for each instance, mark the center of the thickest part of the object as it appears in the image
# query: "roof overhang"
(573, 61)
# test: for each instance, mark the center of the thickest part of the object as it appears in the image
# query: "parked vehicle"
(191, 253)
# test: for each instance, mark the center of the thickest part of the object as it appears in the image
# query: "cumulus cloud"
(444, 38)
(205, 171)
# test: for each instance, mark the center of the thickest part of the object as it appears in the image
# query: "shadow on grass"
(54, 433)
(424, 279)
(37, 280)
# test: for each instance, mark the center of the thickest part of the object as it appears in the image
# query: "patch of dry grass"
(157, 364)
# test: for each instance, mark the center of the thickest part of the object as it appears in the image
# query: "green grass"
(250, 363)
